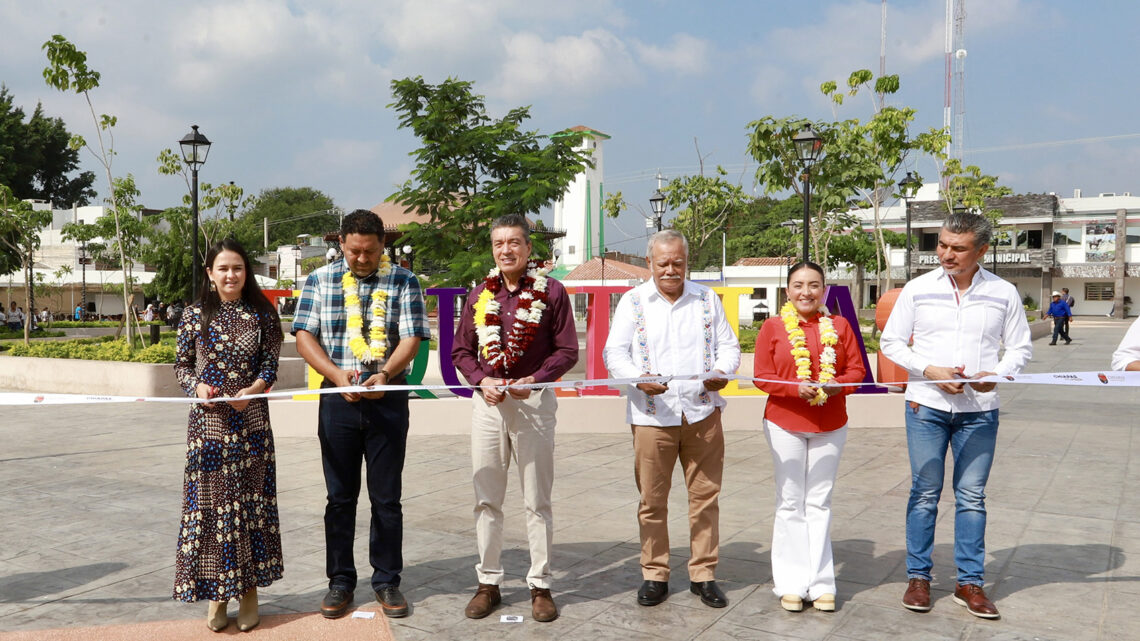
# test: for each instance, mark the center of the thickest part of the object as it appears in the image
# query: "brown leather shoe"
(485, 600)
(917, 595)
(974, 598)
(542, 605)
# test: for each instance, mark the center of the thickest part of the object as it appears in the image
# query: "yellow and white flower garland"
(827, 337)
(377, 344)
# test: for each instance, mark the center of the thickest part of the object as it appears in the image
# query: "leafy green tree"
(472, 168)
(291, 211)
(168, 252)
(705, 204)
(20, 232)
(121, 230)
(36, 159)
(217, 204)
(766, 227)
(859, 162)
(67, 70)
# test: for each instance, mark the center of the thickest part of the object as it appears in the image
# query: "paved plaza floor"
(90, 498)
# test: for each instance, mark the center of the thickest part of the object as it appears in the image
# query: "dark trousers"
(1060, 326)
(377, 432)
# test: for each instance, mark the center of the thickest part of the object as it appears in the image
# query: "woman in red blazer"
(805, 421)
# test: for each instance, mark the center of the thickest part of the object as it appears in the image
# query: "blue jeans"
(971, 437)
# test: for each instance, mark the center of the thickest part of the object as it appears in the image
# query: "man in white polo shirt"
(961, 317)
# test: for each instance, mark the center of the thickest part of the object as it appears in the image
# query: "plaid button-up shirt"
(320, 311)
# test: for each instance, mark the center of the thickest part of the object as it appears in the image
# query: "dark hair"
(250, 292)
(362, 221)
(513, 220)
(967, 222)
(810, 265)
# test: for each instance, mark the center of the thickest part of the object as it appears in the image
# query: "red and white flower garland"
(528, 314)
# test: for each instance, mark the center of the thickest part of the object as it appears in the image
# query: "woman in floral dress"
(229, 542)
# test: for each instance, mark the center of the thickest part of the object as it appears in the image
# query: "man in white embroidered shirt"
(672, 326)
(961, 317)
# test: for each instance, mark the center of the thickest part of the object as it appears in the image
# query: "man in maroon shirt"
(516, 329)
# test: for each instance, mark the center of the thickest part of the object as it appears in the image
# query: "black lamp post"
(83, 260)
(657, 202)
(195, 148)
(905, 187)
(808, 147)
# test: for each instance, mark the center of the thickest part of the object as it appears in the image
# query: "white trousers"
(523, 432)
(805, 465)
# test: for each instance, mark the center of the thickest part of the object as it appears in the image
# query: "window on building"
(759, 293)
(1032, 239)
(928, 242)
(1099, 291)
(1003, 238)
(1063, 236)
(1133, 239)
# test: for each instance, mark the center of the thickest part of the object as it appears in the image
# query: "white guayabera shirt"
(690, 336)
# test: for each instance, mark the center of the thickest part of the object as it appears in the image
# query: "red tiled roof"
(615, 270)
(589, 130)
(767, 261)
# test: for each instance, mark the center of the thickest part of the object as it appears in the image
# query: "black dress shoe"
(392, 602)
(709, 592)
(335, 603)
(652, 592)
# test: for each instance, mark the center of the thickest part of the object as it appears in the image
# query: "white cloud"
(567, 65)
(686, 54)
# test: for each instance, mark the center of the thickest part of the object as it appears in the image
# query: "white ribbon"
(1095, 379)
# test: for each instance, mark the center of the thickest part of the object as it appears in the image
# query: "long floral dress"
(230, 538)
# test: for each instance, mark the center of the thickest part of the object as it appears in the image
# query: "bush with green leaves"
(97, 350)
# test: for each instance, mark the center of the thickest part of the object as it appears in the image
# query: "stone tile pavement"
(90, 496)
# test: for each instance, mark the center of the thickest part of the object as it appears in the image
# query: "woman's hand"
(257, 388)
(202, 390)
(807, 391)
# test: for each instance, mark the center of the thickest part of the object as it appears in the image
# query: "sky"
(295, 93)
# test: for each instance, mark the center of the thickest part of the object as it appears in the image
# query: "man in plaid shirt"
(372, 426)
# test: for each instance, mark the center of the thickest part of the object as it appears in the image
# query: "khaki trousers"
(700, 447)
(523, 432)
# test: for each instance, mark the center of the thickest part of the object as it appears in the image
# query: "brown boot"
(485, 600)
(542, 605)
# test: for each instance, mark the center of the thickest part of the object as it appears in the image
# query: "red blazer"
(774, 361)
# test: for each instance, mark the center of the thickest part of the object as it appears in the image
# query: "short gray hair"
(961, 222)
(666, 236)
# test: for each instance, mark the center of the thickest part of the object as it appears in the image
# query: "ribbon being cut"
(1087, 379)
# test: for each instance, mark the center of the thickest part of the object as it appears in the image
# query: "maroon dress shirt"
(552, 354)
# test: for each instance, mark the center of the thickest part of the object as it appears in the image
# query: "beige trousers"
(522, 432)
(700, 446)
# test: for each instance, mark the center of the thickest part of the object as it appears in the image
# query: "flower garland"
(377, 344)
(827, 337)
(489, 324)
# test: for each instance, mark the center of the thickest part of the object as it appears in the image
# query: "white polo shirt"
(981, 330)
(690, 336)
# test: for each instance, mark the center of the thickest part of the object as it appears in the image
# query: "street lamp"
(905, 187)
(657, 202)
(407, 251)
(83, 260)
(808, 147)
(195, 148)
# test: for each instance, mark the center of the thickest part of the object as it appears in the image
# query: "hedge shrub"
(106, 350)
